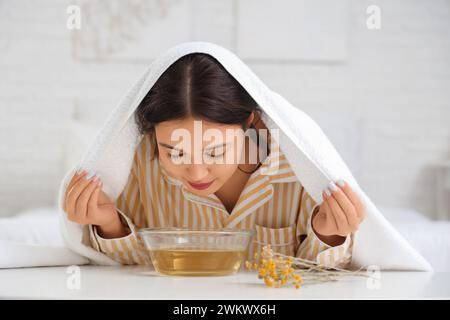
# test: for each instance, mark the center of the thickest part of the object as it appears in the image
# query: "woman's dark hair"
(195, 85)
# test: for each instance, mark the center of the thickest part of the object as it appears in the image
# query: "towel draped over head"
(308, 150)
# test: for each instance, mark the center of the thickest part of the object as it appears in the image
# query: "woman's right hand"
(86, 203)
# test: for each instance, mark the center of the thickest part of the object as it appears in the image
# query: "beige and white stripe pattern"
(273, 203)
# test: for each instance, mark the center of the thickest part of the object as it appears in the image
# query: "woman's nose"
(198, 172)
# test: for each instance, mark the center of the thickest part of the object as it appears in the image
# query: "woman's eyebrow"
(216, 146)
(168, 146)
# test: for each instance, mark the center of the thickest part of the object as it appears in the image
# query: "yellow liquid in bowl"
(196, 262)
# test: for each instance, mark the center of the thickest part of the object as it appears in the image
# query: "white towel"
(313, 158)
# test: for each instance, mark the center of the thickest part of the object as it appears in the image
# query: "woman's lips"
(201, 186)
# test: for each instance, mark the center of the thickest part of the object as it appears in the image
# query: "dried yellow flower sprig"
(277, 269)
(276, 272)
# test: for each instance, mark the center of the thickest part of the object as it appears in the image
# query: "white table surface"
(134, 282)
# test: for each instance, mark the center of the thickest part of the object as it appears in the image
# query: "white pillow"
(34, 226)
(33, 238)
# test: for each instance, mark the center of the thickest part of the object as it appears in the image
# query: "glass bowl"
(196, 252)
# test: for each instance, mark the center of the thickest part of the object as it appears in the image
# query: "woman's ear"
(250, 119)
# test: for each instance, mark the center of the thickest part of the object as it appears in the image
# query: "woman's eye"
(176, 155)
(213, 155)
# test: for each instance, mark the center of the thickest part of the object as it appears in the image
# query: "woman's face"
(201, 154)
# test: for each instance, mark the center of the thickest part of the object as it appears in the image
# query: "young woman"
(166, 187)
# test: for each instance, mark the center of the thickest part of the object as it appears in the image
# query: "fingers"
(341, 210)
(93, 200)
(76, 177)
(354, 199)
(339, 215)
(83, 199)
(74, 193)
(345, 205)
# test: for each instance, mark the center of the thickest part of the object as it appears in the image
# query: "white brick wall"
(385, 103)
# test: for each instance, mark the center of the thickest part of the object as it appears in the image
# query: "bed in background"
(430, 237)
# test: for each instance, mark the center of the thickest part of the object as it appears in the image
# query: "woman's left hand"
(340, 213)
